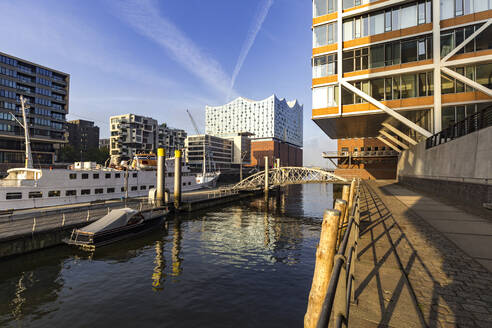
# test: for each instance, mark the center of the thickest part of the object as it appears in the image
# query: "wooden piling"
(341, 205)
(325, 255)
(346, 193)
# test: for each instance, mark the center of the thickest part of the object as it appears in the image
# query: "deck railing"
(472, 123)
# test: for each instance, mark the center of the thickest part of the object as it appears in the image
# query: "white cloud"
(255, 27)
(144, 17)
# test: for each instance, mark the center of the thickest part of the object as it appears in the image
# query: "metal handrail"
(339, 292)
(472, 123)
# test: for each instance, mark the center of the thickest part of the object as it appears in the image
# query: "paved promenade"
(421, 263)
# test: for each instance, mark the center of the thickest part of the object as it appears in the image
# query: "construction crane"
(193, 122)
(204, 168)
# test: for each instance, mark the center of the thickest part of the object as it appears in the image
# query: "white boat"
(87, 182)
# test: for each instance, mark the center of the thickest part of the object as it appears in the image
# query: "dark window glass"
(95, 176)
(347, 97)
(422, 84)
(396, 53)
(408, 86)
(447, 84)
(377, 56)
(70, 193)
(107, 175)
(447, 44)
(430, 83)
(460, 113)
(143, 187)
(484, 75)
(98, 191)
(85, 192)
(85, 176)
(110, 190)
(396, 87)
(459, 34)
(134, 188)
(54, 193)
(388, 56)
(447, 117)
(482, 41)
(134, 175)
(117, 175)
(122, 189)
(365, 58)
(469, 73)
(348, 61)
(35, 194)
(72, 176)
(409, 51)
(460, 86)
(13, 195)
(387, 88)
(470, 46)
(377, 89)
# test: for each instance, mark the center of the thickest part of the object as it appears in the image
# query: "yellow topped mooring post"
(266, 174)
(161, 175)
(177, 178)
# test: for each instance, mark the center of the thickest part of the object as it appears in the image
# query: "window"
(377, 56)
(134, 188)
(377, 89)
(134, 175)
(408, 86)
(421, 13)
(151, 186)
(70, 193)
(107, 175)
(447, 44)
(117, 175)
(143, 187)
(320, 36)
(376, 23)
(72, 176)
(421, 49)
(484, 75)
(95, 176)
(408, 51)
(447, 84)
(85, 192)
(122, 189)
(447, 9)
(422, 84)
(54, 193)
(447, 118)
(98, 191)
(85, 176)
(35, 194)
(387, 21)
(13, 195)
(110, 190)
(320, 8)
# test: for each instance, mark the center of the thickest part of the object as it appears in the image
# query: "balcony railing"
(365, 153)
(470, 124)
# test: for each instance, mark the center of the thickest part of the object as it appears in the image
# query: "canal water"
(243, 265)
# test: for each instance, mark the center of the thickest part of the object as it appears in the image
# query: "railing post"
(266, 174)
(325, 254)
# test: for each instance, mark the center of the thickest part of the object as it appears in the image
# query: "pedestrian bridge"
(288, 175)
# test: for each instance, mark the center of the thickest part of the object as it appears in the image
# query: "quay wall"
(460, 170)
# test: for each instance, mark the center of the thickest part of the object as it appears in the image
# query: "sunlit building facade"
(399, 70)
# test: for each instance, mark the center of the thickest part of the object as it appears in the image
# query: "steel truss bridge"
(287, 175)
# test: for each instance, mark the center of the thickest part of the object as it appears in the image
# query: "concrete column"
(266, 174)
(161, 175)
(177, 178)
(436, 55)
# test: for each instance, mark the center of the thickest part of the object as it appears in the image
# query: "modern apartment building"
(274, 124)
(46, 91)
(104, 143)
(83, 135)
(132, 134)
(170, 139)
(218, 152)
(398, 71)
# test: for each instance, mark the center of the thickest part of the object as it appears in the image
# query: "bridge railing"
(470, 124)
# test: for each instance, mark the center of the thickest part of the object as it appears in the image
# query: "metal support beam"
(399, 133)
(389, 144)
(466, 80)
(467, 40)
(396, 141)
(386, 109)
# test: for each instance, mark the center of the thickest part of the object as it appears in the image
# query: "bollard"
(266, 174)
(33, 225)
(325, 255)
(177, 178)
(161, 175)
(351, 198)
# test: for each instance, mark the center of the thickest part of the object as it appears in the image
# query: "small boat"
(116, 225)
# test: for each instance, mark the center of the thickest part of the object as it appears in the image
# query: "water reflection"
(159, 268)
(177, 259)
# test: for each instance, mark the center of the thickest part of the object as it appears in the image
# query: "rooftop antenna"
(25, 126)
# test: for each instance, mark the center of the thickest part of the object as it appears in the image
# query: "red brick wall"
(289, 155)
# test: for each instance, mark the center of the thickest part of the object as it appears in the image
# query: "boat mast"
(29, 164)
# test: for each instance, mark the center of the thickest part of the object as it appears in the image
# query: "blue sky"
(158, 58)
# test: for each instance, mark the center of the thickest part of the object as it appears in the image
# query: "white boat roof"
(23, 169)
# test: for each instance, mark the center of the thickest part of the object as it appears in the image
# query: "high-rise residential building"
(132, 134)
(397, 72)
(218, 152)
(171, 139)
(275, 125)
(46, 91)
(83, 135)
(104, 143)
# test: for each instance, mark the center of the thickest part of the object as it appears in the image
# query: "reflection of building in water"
(177, 260)
(160, 264)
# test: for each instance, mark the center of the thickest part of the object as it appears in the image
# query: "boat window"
(95, 175)
(134, 220)
(122, 189)
(72, 176)
(110, 190)
(151, 186)
(13, 195)
(117, 175)
(85, 192)
(70, 193)
(35, 194)
(169, 174)
(54, 193)
(143, 187)
(134, 188)
(189, 183)
(98, 191)
(134, 175)
(184, 183)
(108, 175)
(85, 176)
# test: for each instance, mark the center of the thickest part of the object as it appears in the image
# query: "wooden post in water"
(341, 205)
(325, 255)
(177, 178)
(161, 175)
(266, 175)
(351, 198)
(346, 193)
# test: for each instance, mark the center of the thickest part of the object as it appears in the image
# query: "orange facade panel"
(326, 79)
(464, 97)
(325, 18)
(388, 35)
(324, 111)
(466, 19)
(395, 104)
(364, 5)
(328, 48)
(471, 54)
(388, 68)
